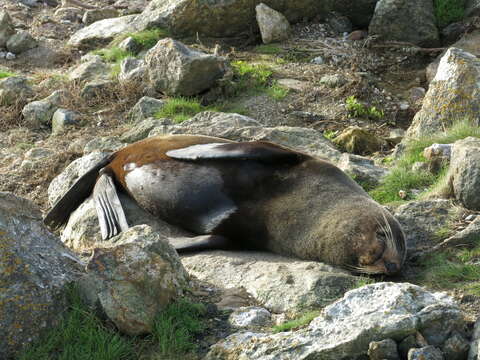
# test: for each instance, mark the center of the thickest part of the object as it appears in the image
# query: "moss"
(448, 11)
(181, 108)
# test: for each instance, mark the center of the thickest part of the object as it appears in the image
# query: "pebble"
(10, 56)
(471, 217)
(318, 60)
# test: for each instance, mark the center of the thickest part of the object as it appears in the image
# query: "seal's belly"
(187, 194)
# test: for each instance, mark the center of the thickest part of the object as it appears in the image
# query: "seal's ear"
(255, 150)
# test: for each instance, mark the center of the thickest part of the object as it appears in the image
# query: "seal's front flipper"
(110, 213)
(200, 243)
(255, 150)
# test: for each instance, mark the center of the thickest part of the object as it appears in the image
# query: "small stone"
(419, 166)
(425, 353)
(95, 89)
(333, 81)
(471, 217)
(406, 344)
(273, 25)
(383, 350)
(63, 118)
(130, 45)
(247, 317)
(456, 347)
(108, 143)
(402, 194)
(10, 56)
(132, 69)
(318, 60)
(20, 42)
(91, 16)
(145, 108)
(404, 106)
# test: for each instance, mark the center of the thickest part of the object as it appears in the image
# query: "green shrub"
(357, 109)
(448, 11)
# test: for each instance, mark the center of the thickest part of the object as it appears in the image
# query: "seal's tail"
(77, 193)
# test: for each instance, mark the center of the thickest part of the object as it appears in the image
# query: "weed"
(113, 54)
(357, 109)
(303, 320)
(330, 134)
(81, 335)
(5, 74)
(277, 92)
(448, 11)
(251, 78)
(180, 109)
(363, 281)
(175, 326)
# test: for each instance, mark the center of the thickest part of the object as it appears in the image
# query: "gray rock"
(14, 88)
(96, 88)
(406, 344)
(293, 84)
(383, 350)
(273, 25)
(62, 118)
(103, 144)
(333, 81)
(145, 108)
(363, 170)
(103, 31)
(94, 15)
(318, 60)
(39, 113)
(10, 56)
(92, 69)
(135, 278)
(278, 283)
(129, 44)
(347, 327)
(249, 317)
(464, 172)
(72, 14)
(422, 220)
(425, 353)
(141, 129)
(132, 69)
(36, 268)
(6, 28)
(472, 8)
(176, 69)
(453, 32)
(21, 42)
(475, 342)
(402, 20)
(456, 347)
(339, 23)
(454, 94)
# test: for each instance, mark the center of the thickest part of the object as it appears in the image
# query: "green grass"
(251, 78)
(80, 336)
(277, 92)
(359, 110)
(175, 328)
(448, 11)
(180, 109)
(363, 281)
(303, 320)
(113, 54)
(5, 74)
(402, 177)
(147, 39)
(267, 49)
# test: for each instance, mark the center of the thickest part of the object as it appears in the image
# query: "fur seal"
(254, 195)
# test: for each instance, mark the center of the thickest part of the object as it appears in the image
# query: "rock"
(230, 18)
(383, 350)
(318, 60)
(21, 42)
(425, 353)
(62, 118)
(278, 283)
(293, 84)
(359, 141)
(13, 89)
(242, 128)
(249, 317)
(395, 136)
(134, 279)
(456, 347)
(103, 144)
(402, 20)
(475, 343)
(102, 32)
(333, 81)
(363, 170)
(339, 23)
(95, 89)
(406, 344)
(132, 70)
(93, 69)
(464, 172)
(129, 44)
(91, 16)
(142, 128)
(453, 94)
(6, 28)
(422, 220)
(35, 157)
(39, 113)
(347, 327)
(10, 56)
(273, 25)
(453, 32)
(472, 8)
(417, 94)
(72, 14)
(145, 108)
(36, 269)
(176, 69)
(357, 35)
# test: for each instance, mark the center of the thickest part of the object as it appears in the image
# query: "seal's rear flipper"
(110, 213)
(200, 243)
(72, 199)
(255, 150)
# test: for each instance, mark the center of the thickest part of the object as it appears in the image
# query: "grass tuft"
(5, 74)
(448, 11)
(180, 109)
(113, 54)
(277, 92)
(148, 38)
(251, 78)
(267, 49)
(357, 109)
(302, 321)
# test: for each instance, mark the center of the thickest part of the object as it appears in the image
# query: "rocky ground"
(304, 104)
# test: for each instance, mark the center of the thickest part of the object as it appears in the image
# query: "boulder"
(363, 170)
(345, 329)
(472, 8)
(453, 95)
(62, 118)
(403, 20)
(102, 32)
(134, 279)
(273, 25)
(13, 89)
(425, 353)
(142, 128)
(359, 141)
(383, 350)
(35, 272)
(132, 70)
(278, 283)
(6, 28)
(250, 317)
(95, 89)
(21, 42)
(39, 113)
(176, 69)
(94, 15)
(91, 69)
(145, 108)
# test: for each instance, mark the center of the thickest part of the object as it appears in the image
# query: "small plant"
(180, 109)
(302, 321)
(277, 92)
(330, 134)
(267, 49)
(363, 281)
(175, 327)
(448, 11)
(357, 109)
(147, 39)
(113, 54)
(251, 77)
(5, 74)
